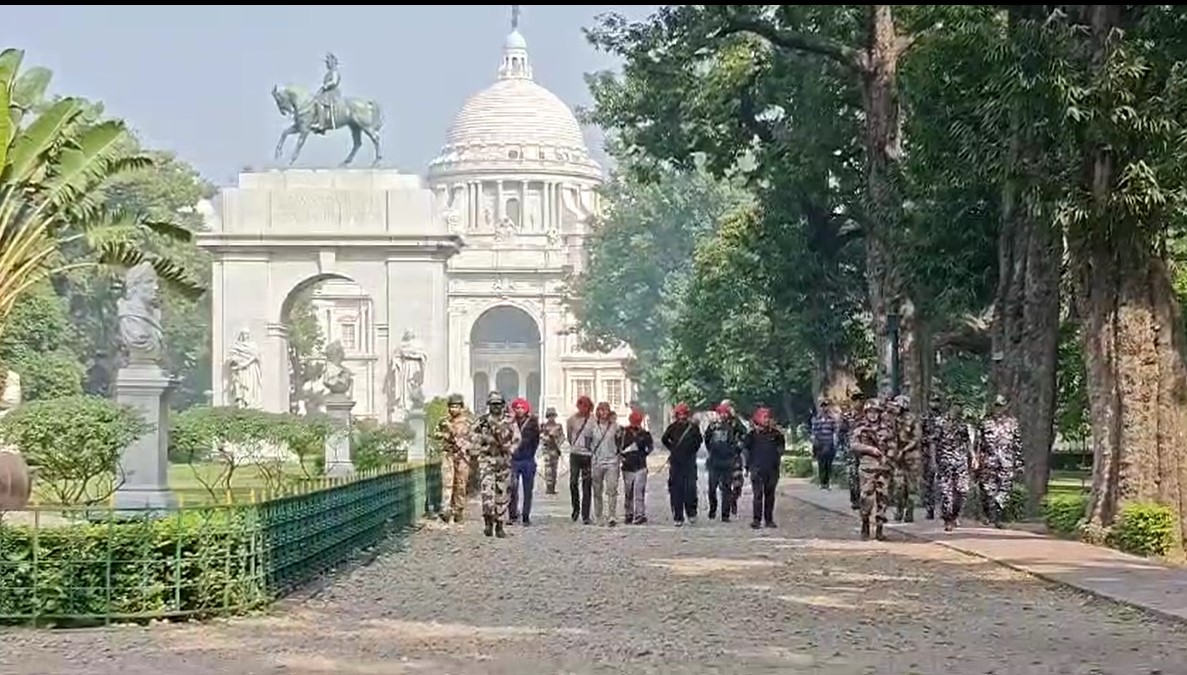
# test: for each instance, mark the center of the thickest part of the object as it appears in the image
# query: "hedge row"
(1141, 528)
(191, 563)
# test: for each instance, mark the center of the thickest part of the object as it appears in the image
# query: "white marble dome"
(515, 124)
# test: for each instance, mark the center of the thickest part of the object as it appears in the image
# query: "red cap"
(636, 418)
(723, 409)
(522, 405)
(681, 410)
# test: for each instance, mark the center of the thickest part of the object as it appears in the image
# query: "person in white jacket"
(602, 438)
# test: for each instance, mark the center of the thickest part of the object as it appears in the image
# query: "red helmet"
(723, 409)
(762, 416)
(521, 405)
(636, 418)
(681, 410)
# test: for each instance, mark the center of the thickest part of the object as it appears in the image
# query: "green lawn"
(196, 484)
(1069, 482)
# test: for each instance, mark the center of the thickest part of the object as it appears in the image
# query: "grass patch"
(197, 484)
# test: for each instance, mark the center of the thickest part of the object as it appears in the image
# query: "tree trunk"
(1133, 341)
(1026, 307)
(883, 150)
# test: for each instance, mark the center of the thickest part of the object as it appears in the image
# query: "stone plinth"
(144, 465)
(338, 407)
(417, 450)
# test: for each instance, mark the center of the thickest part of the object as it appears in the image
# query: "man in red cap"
(523, 460)
(580, 459)
(723, 441)
(764, 453)
(636, 445)
(683, 440)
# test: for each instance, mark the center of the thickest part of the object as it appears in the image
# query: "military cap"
(455, 399)
(494, 398)
(550, 412)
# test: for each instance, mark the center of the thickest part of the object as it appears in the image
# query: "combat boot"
(458, 518)
(909, 516)
(489, 525)
(499, 531)
(878, 534)
(865, 529)
(446, 516)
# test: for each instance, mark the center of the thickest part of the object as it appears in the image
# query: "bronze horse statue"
(361, 116)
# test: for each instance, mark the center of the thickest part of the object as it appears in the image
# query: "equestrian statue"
(327, 110)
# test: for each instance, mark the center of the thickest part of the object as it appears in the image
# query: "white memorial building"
(458, 277)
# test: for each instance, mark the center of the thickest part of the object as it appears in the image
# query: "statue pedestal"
(144, 464)
(417, 449)
(338, 407)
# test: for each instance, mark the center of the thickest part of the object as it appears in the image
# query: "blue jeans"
(525, 470)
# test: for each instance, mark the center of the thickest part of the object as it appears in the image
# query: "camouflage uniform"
(454, 434)
(494, 438)
(905, 464)
(552, 437)
(952, 466)
(873, 471)
(929, 439)
(999, 456)
(852, 476)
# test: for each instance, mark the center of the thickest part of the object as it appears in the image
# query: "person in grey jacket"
(602, 439)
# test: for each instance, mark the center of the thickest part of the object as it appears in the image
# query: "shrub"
(74, 442)
(377, 445)
(1063, 513)
(435, 411)
(1015, 507)
(194, 563)
(798, 466)
(1144, 529)
(200, 433)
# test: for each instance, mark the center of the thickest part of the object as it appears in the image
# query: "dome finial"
(515, 64)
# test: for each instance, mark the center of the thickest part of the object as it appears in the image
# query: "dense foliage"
(1008, 181)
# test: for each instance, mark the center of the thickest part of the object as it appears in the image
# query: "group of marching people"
(893, 457)
(602, 456)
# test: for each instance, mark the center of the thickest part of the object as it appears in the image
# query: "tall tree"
(640, 259)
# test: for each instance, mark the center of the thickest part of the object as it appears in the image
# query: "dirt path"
(559, 598)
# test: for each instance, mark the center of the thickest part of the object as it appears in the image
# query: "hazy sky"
(196, 79)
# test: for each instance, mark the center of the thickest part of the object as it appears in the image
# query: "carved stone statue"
(337, 378)
(246, 380)
(408, 368)
(10, 392)
(554, 238)
(139, 314)
(504, 229)
(327, 110)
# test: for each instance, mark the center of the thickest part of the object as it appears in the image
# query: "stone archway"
(505, 351)
(318, 311)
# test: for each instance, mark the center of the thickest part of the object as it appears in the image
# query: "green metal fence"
(93, 565)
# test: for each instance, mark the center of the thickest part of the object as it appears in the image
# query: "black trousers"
(763, 483)
(719, 484)
(825, 454)
(580, 483)
(682, 490)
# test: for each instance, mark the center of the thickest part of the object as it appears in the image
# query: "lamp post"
(892, 344)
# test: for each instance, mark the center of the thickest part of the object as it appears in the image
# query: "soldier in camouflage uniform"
(849, 418)
(905, 460)
(870, 437)
(494, 439)
(738, 475)
(954, 461)
(929, 438)
(552, 438)
(999, 460)
(454, 435)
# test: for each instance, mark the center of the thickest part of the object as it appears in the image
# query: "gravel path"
(559, 598)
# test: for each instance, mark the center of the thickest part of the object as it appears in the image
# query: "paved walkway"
(566, 599)
(1098, 570)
